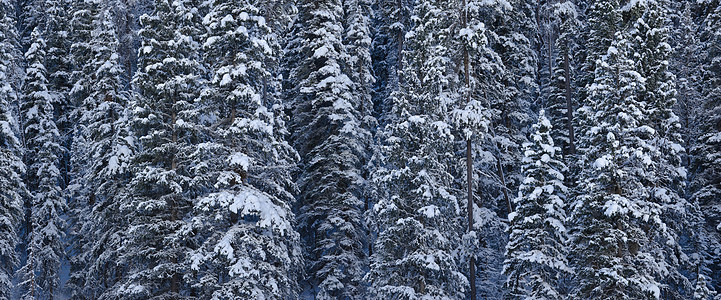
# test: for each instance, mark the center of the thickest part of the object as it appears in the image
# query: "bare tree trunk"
(469, 155)
(502, 175)
(400, 38)
(175, 279)
(569, 104)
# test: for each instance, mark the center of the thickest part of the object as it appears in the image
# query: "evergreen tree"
(536, 250)
(249, 248)
(561, 102)
(329, 134)
(602, 21)
(12, 168)
(615, 222)
(511, 91)
(391, 21)
(487, 22)
(80, 25)
(706, 167)
(104, 134)
(418, 216)
(58, 68)
(168, 170)
(666, 177)
(45, 249)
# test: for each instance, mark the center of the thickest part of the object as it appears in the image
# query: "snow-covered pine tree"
(328, 132)
(168, 168)
(249, 248)
(418, 217)
(561, 101)
(58, 69)
(40, 274)
(666, 177)
(106, 160)
(30, 15)
(706, 184)
(390, 22)
(615, 222)
(357, 38)
(12, 168)
(471, 118)
(510, 28)
(602, 21)
(81, 14)
(488, 73)
(686, 64)
(537, 246)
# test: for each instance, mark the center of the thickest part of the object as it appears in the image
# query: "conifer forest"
(360, 149)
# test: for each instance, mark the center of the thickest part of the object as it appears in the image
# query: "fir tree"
(45, 249)
(249, 248)
(706, 183)
(329, 134)
(666, 177)
(168, 173)
(561, 102)
(104, 134)
(536, 250)
(12, 168)
(418, 215)
(615, 223)
(390, 23)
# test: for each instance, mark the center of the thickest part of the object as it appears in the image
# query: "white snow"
(240, 159)
(416, 119)
(249, 201)
(430, 211)
(601, 162)
(225, 20)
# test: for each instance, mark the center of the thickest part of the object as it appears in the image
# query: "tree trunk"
(469, 155)
(569, 104)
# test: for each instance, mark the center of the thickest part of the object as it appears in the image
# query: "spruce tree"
(58, 68)
(666, 177)
(44, 244)
(562, 99)
(330, 136)
(249, 248)
(418, 216)
(167, 170)
(12, 168)
(706, 182)
(537, 247)
(615, 223)
(105, 162)
(390, 22)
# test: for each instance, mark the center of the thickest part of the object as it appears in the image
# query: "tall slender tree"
(44, 226)
(12, 168)
(562, 101)
(706, 183)
(329, 134)
(103, 131)
(248, 244)
(666, 177)
(537, 247)
(419, 217)
(168, 173)
(615, 221)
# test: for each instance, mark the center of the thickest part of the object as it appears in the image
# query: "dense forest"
(360, 149)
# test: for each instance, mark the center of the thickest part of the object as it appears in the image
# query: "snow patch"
(430, 211)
